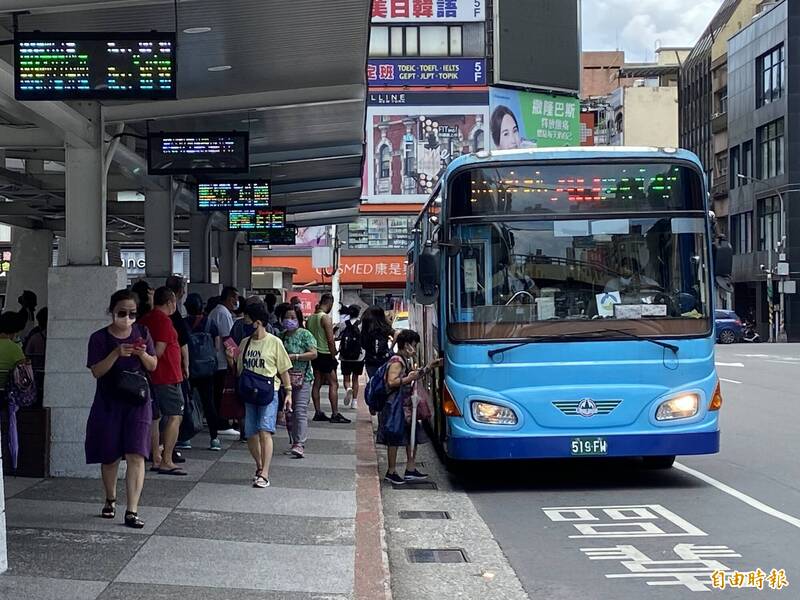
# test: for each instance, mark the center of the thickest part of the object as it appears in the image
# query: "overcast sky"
(636, 26)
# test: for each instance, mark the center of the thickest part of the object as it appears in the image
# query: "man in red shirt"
(167, 377)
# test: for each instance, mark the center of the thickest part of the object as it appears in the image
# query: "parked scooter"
(749, 333)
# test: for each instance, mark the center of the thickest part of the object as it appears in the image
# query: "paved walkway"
(209, 536)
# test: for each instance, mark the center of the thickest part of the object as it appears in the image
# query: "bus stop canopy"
(290, 73)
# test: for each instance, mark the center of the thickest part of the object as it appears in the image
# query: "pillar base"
(78, 306)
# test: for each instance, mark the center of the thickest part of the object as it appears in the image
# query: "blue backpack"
(202, 353)
(377, 391)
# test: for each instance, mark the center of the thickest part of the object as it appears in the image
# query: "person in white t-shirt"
(222, 317)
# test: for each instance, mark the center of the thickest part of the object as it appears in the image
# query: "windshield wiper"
(641, 338)
(586, 334)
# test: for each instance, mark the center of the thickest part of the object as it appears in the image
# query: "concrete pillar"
(244, 268)
(31, 257)
(199, 248)
(69, 386)
(86, 193)
(158, 233)
(227, 259)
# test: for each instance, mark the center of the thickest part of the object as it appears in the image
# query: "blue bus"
(568, 296)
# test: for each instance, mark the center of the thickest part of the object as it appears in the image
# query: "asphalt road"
(622, 532)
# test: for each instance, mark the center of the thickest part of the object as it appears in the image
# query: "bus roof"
(580, 153)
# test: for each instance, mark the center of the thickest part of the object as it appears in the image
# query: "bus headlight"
(492, 414)
(680, 407)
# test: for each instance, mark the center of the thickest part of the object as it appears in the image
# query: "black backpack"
(202, 353)
(350, 343)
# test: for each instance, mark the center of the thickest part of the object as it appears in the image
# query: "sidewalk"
(208, 536)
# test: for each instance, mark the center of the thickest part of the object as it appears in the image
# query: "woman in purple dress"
(119, 357)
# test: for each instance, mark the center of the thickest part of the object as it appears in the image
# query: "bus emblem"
(587, 408)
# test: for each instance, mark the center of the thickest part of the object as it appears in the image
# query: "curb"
(372, 579)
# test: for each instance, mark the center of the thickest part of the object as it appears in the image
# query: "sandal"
(109, 509)
(132, 520)
(257, 475)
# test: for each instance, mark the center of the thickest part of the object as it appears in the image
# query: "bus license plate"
(589, 446)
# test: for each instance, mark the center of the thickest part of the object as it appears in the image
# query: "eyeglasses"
(130, 314)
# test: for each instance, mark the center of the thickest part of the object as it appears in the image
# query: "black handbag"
(132, 387)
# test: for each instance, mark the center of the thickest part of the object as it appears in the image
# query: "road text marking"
(730, 380)
(757, 504)
(720, 364)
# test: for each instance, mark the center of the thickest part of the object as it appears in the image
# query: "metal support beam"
(258, 159)
(258, 101)
(159, 232)
(29, 137)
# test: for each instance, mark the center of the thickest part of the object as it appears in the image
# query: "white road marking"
(749, 500)
(721, 364)
(730, 380)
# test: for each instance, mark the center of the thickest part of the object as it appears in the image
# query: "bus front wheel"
(658, 462)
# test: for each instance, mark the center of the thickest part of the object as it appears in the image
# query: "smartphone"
(230, 344)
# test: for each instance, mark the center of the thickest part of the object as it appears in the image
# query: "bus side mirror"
(723, 259)
(427, 284)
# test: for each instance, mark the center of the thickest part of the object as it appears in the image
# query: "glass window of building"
(747, 159)
(434, 41)
(741, 227)
(770, 76)
(770, 149)
(456, 46)
(379, 41)
(735, 166)
(397, 34)
(412, 41)
(369, 233)
(769, 222)
(385, 160)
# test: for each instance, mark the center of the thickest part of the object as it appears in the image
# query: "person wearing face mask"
(400, 376)
(119, 421)
(302, 349)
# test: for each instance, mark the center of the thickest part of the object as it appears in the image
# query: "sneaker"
(289, 452)
(298, 451)
(320, 416)
(348, 397)
(261, 482)
(339, 418)
(415, 475)
(215, 445)
(394, 479)
(231, 431)
(187, 445)
(177, 458)
(354, 405)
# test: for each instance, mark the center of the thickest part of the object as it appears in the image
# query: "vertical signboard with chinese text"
(526, 120)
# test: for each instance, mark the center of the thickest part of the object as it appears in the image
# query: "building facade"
(764, 166)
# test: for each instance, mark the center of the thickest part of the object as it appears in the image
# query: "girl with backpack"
(351, 354)
(393, 429)
(301, 347)
(120, 356)
(376, 339)
(204, 344)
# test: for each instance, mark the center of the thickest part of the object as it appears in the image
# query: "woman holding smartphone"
(119, 357)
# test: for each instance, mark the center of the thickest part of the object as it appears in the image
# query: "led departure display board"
(199, 152)
(273, 237)
(232, 195)
(94, 66)
(259, 219)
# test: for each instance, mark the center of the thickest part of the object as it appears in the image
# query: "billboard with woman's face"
(526, 120)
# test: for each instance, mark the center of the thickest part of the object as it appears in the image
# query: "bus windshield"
(519, 278)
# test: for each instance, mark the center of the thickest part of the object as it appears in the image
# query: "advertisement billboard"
(398, 72)
(428, 11)
(409, 146)
(540, 45)
(527, 120)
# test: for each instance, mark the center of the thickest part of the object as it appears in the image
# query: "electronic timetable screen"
(273, 237)
(94, 66)
(232, 195)
(259, 219)
(189, 153)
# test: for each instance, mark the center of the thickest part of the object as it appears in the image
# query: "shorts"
(355, 367)
(325, 363)
(170, 399)
(260, 418)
